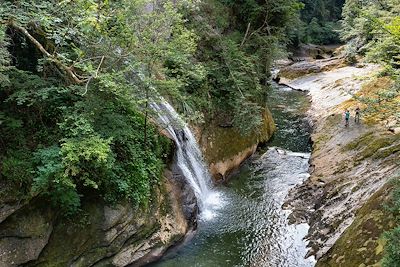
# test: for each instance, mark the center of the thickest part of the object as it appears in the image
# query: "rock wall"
(33, 234)
(225, 148)
(348, 167)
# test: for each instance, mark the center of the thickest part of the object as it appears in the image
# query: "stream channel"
(249, 226)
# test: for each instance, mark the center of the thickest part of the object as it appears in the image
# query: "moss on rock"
(378, 146)
(361, 244)
(359, 142)
(100, 234)
(222, 145)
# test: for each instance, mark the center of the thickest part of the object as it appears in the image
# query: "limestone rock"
(24, 234)
(225, 148)
(349, 165)
(101, 235)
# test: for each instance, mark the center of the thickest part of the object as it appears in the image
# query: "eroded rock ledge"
(350, 168)
(225, 148)
(32, 234)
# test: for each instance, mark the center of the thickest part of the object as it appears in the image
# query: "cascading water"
(251, 228)
(189, 158)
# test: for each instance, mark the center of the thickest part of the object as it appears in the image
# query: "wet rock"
(9, 200)
(188, 199)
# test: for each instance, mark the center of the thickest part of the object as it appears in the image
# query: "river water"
(249, 227)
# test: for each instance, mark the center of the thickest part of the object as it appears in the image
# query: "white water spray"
(189, 158)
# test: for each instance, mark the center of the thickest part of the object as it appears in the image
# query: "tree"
(320, 21)
(78, 125)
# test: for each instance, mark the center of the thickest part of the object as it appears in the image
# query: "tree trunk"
(146, 108)
(146, 114)
(53, 58)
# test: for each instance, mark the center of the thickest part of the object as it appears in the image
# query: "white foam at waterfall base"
(214, 201)
(189, 159)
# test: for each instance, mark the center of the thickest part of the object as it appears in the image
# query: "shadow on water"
(288, 108)
(250, 228)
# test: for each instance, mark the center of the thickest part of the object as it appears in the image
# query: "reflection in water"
(251, 228)
(288, 108)
(272, 241)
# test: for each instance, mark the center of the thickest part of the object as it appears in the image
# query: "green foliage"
(17, 166)
(350, 53)
(94, 143)
(82, 156)
(320, 21)
(63, 140)
(237, 43)
(383, 103)
(52, 182)
(392, 248)
(75, 100)
(372, 28)
(4, 56)
(395, 208)
(322, 33)
(326, 10)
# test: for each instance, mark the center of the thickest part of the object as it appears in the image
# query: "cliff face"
(225, 148)
(343, 200)
(31, 234)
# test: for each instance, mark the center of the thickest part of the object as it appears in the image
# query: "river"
(248, 226)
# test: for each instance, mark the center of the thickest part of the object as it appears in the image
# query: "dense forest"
(320, 21)
(77, 79)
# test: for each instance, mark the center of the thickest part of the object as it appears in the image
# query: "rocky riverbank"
(350, 170)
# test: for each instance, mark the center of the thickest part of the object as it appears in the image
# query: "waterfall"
(189, 157)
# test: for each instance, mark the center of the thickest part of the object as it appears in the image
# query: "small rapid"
(189, 158)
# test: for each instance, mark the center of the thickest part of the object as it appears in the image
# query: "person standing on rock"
(347, 118)
(357, 115)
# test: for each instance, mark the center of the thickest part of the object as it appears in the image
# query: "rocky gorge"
(351, 168)
(33, 234)
(342, 201)
(200, 133)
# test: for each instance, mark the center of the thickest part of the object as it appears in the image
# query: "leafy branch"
(53, 58)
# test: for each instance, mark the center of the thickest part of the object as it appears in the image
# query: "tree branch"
(245, 36)
(93, 76)
(68, 70)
